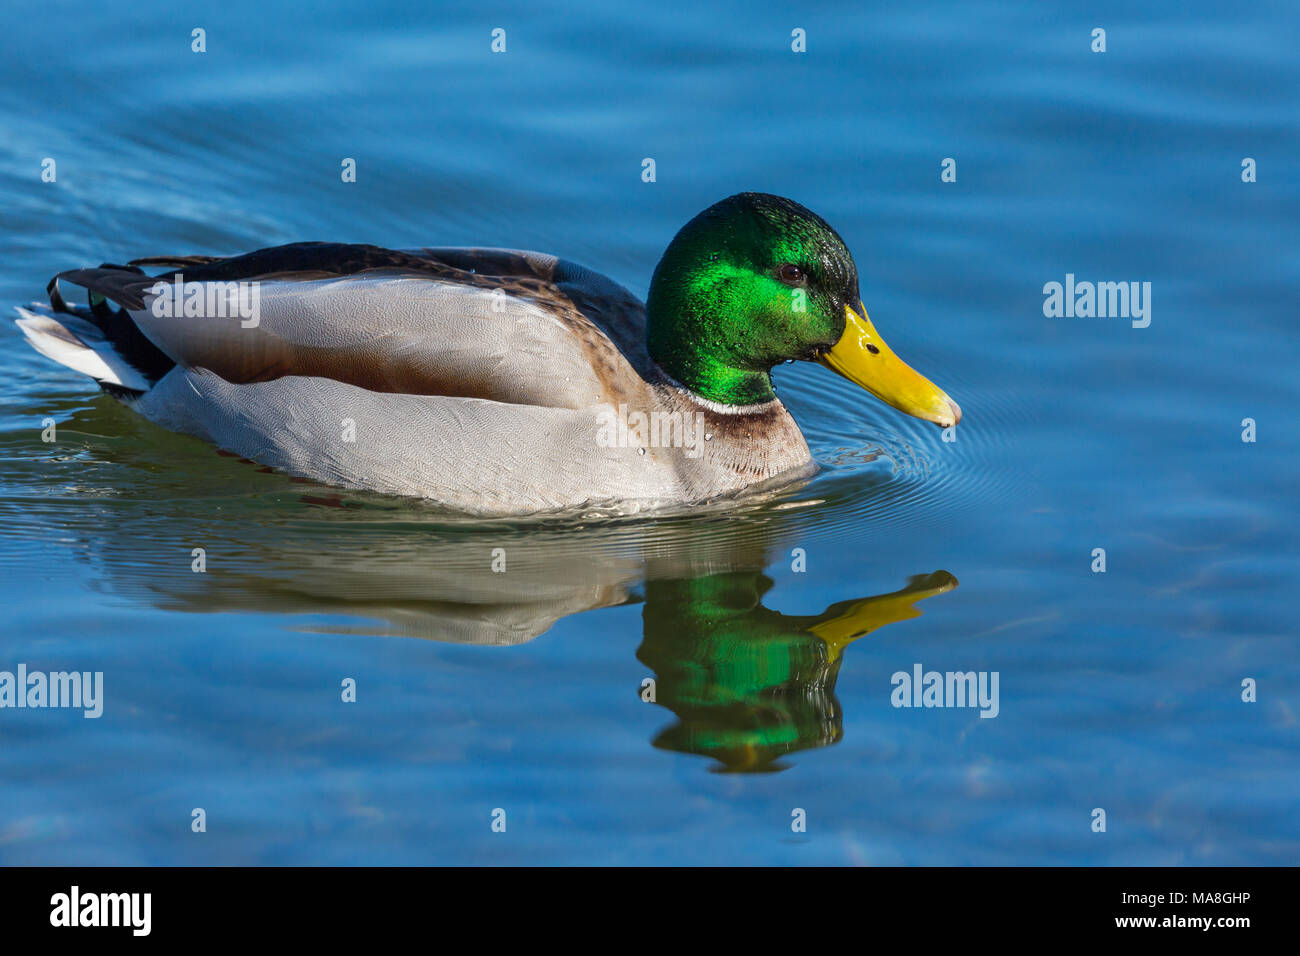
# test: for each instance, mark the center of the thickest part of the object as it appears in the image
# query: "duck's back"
(506, 325)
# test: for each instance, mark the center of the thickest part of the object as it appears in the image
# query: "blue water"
(522, 691)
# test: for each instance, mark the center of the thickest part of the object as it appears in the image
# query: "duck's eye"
(792, 273)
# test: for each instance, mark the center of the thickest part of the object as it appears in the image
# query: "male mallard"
(493, 381)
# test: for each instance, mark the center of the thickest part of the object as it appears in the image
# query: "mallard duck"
(492, 381)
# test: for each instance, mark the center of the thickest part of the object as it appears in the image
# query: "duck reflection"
(745, 684)
(749, 684)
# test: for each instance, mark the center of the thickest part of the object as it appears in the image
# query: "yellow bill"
(862, 357)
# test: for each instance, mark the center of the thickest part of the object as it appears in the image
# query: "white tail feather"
(89, 356)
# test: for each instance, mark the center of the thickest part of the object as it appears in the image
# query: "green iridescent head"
(756, 280)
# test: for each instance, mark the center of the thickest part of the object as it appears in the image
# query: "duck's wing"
(504, 325)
